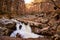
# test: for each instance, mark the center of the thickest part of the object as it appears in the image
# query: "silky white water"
(25, 31)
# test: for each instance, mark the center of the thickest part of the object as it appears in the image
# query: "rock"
(56, 37)
(41, 14)
(43, 20)
(52, 22)
(36, 30)
(6, 26)
(12, 38)
(29, 39)
(9, 38)
(58, 30)
(7, 23)
(3, 31)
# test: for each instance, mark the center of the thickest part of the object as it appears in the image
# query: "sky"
(28, 1)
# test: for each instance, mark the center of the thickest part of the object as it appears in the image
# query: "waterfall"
(25, 31)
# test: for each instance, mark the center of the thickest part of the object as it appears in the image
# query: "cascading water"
(24, 30)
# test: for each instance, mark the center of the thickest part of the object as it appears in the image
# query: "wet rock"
(3, 31)
(36, 30)
(7, 26)
(43, 20)
(7, 23)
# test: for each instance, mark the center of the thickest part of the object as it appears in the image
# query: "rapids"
(24, 30)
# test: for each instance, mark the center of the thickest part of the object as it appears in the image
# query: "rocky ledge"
(10, 38)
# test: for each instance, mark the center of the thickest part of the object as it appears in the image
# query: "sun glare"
(28, 1)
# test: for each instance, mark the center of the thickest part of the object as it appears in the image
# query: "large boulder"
(7, 23)
(6, 27)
